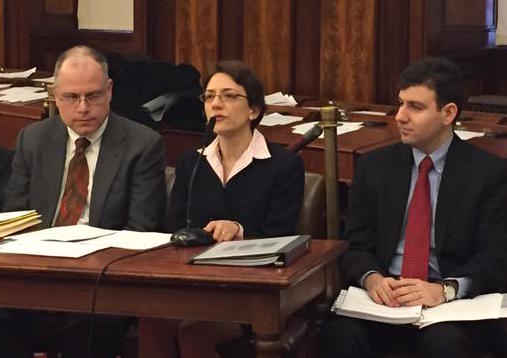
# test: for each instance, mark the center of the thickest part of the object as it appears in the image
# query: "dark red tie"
(76, 187)
(418, 231)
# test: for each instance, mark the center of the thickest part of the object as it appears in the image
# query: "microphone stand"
(195, 236)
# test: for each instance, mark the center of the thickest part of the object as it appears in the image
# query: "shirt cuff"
(239, 235)
(464, 284)
(361, 280)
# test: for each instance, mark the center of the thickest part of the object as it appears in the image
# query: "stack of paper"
(14, 221)
(280, 99)
(343, 127)
(276, 119)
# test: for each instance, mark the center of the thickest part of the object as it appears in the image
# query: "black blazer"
(470, 218)
(128, 185)
(264, 198)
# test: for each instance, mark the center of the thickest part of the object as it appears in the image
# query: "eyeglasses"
(208, 97)
(92, 98)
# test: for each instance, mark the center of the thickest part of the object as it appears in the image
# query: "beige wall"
(501, 31)
(117, 15)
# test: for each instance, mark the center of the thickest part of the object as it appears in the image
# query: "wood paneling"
(2, 38)
(347, 50)
(267, 43)
(230, 18)
(337, 49)
(161, 29)
(60, 7)
(196, 32)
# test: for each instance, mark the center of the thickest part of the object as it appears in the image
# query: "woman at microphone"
(244, 187)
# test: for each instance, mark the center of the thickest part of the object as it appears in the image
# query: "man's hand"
(413, 292)
(380, 289)
(222, 230)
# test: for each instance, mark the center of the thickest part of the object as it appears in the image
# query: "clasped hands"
(222, 230)
(403, 291)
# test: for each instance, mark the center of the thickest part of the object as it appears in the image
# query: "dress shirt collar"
(257, 149)
(93, 138)
(437, 156)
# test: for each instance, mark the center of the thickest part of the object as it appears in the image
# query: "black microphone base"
(192, 237)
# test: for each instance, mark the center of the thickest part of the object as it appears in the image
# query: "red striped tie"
(418, 231)
(76, 187)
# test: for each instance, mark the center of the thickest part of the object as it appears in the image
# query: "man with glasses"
(124, 173)
(90, 166)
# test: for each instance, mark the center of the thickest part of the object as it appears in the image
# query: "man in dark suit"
(114, 181)
(126, 160)
(458, 204)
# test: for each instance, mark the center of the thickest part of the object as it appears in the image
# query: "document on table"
(132, 240)
(466, 135)
(22, 94)
(21, 74)
(71, 233)
(343, 127)
(371, 113)
(275, 119)
(47, 248)
(280, 99)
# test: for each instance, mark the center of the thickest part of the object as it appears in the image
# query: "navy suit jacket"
(128, 185)
(470, 218)
(264, 198)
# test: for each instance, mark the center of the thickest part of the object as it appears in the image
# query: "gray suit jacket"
(128, 184)
(470, 217)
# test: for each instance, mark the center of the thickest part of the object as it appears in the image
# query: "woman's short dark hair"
(439, 74)
(242, 75)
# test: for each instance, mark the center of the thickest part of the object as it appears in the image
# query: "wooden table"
(15, 117)
(162, 284)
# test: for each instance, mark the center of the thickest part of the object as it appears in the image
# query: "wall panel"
(267, 42)
(196, 32)
(347, 50)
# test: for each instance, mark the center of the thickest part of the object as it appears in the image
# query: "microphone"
(195, 236)
(309, 136)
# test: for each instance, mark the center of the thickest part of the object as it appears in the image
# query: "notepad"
(356, 303)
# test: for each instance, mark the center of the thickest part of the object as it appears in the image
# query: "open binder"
(280, 251)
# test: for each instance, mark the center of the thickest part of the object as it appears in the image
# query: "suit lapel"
(452, 184)
(398, 187)
(54, 158)
(109, 160)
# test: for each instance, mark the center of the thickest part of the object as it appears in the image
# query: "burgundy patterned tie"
(76, 187)
(418, 231)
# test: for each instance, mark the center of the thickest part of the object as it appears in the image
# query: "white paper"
(22, 94)
(5, 85)
(9, 215)
(64, 233)
(356, 303)
(47, 248)
(345, 127)
(45, 79)
(22, 74)
(466, 135)
(280, 99)
(471, 309)
(275, 119)
(371, 113)
(132, 240)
